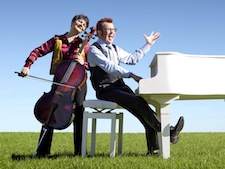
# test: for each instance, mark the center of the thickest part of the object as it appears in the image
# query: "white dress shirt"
(111, 65)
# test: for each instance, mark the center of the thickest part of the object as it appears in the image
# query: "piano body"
(177, 76)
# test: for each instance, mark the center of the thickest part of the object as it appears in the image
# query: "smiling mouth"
(80, 27)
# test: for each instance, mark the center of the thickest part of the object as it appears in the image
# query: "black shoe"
(174, 131)
(153, 153)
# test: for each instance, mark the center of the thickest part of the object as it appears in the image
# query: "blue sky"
(186, 26)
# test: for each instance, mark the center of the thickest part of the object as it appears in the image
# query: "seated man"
(107, 80)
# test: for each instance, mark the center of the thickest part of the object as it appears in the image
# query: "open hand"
(152, 38)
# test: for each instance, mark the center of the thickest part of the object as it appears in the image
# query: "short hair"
(81, 16)
(100, 22)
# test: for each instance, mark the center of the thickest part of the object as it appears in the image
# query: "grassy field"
(193, 151)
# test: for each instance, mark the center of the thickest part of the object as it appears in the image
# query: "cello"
(55, 108)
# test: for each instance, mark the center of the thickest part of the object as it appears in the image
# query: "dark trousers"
(125, 97)
(45, 145)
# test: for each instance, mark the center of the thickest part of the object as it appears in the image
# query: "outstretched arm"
(150, 40)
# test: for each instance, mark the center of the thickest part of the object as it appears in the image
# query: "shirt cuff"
(146, 48)
(28, 63)
(127, 75)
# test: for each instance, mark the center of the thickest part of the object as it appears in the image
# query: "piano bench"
(101, 110)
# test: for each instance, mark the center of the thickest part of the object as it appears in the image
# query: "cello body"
(55, 108)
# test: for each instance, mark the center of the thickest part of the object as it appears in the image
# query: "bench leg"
(93, 137)
(112, 140)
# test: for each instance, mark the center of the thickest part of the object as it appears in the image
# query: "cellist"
(64, 47)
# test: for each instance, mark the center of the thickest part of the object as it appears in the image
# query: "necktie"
(112, 55)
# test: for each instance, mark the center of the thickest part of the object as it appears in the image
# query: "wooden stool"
(100, 106)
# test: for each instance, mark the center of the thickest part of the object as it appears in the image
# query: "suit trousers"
(45, 144)
(126, 98)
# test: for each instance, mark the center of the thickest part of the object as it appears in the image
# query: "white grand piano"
(177, 76)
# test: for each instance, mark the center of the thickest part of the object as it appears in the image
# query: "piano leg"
(163, 110)
(164, 136)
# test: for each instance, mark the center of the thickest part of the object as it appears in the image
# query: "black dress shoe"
(174, 131)
(153, 153)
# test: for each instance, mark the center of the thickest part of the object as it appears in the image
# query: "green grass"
(194, 150)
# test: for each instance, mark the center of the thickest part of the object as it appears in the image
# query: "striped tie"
(112, 55)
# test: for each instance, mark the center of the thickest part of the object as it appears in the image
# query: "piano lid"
(183, 74)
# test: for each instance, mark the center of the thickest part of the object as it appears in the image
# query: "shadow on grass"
(18, 157)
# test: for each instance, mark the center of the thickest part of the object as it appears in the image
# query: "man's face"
(107, 33)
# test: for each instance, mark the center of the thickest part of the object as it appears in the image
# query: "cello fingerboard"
(68, 72)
